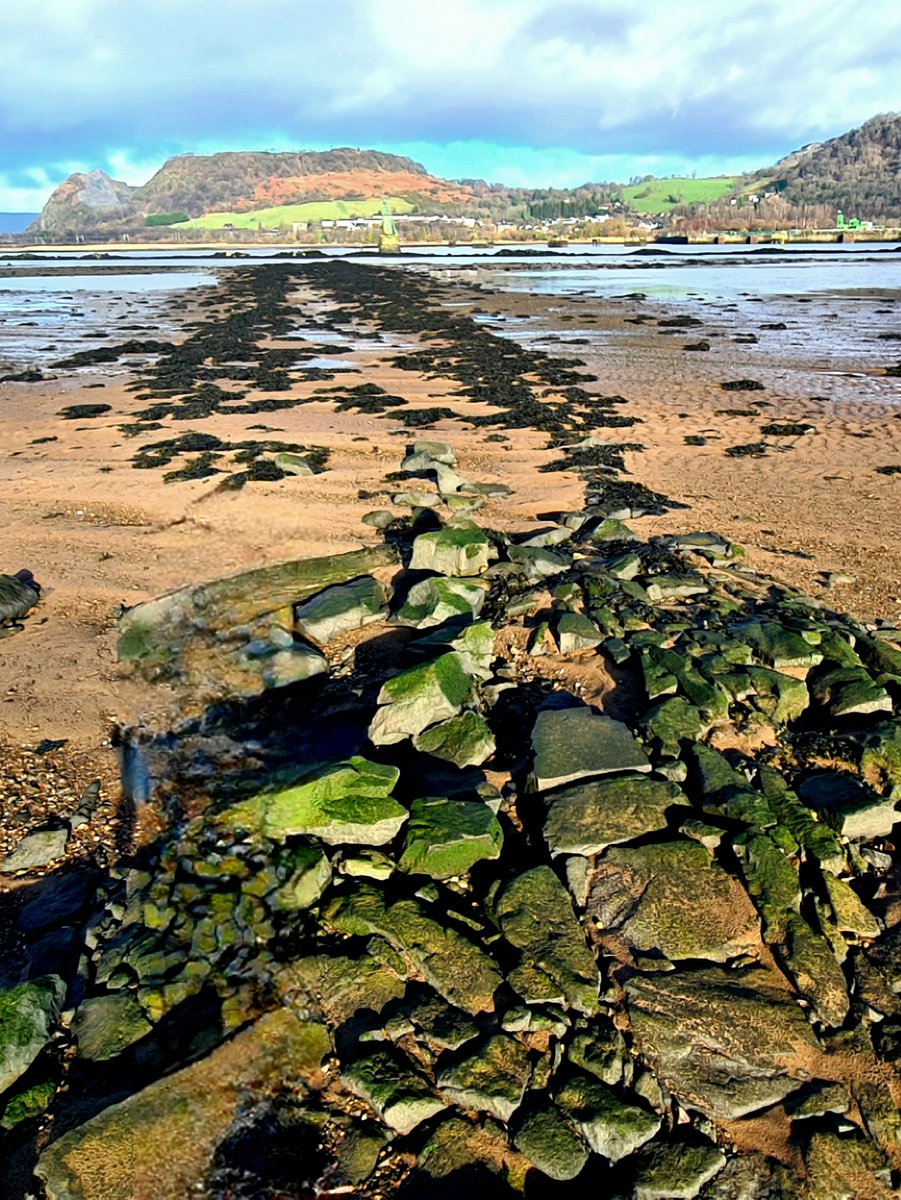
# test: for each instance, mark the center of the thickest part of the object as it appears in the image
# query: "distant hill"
(858, 172)
(193, 186)
(16, 222)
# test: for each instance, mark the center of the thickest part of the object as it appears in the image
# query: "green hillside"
(286, 214)
(663, 195)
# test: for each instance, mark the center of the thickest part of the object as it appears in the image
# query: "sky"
(523, 92)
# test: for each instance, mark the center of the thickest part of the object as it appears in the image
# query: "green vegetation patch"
(287, 214)
(663, 195)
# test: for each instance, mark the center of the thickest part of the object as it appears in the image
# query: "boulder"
(104, 1026)
(676, 1170)
(159, 1144)
(493, 1080)
(550, 1143)
(28, 1014)
(400, 1097)
(609, 1125)
(460, 548)
(341, 608)
(435, 600)
(535, 915)
(465, 741)
(456, 967)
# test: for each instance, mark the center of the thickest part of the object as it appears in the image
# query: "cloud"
(123, 85)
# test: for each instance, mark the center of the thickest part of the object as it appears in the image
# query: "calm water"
(851, 291)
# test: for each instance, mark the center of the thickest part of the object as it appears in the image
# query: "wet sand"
(99, 534)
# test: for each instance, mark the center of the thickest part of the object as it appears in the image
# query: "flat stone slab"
(160, 1142)
(576, 743)
(726, 1042)
(36, 850)
(673, 899)
(676, 1170)
(585, 818)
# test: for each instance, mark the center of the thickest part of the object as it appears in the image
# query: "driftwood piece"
(165, 638)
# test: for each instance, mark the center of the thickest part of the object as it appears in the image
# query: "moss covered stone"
(673, 898)
(460, 548)
(28, 1014)
(535, 915)
(609, 1125)
(345, 804)
(585, 818)
(402, 1098)
(493, 1079)
(550, 1143)
(435, 600)
(419, 697)
(465, 741)
(445, 837)
(457, 969)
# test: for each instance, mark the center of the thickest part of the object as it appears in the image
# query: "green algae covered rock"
(345, 804)
(609, 1125)
(435, 600)
(465, 741)
(385, 1081)
(28, 1013)
(721, 1040)
(676, 1170)
(549, 1142)
(419, 697)
(675, 721)
(585, 818)
(310, 875)
(535, 915)
(460, 548)
(456, 968)
(493, 1079)
(675, 899)
(445, 837)
(104, 1026)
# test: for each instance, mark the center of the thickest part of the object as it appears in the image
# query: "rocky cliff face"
(83, 201)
